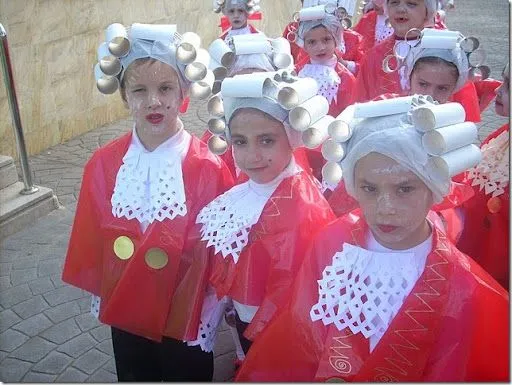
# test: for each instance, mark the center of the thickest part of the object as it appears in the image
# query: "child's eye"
(238, 142)
(368, 189)
(443, 88)
(267, 141)
(405, 189)
(138, 90)
(423, 84)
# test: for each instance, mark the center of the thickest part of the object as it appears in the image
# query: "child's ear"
(122, 91)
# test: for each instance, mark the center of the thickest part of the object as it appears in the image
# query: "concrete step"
(8, 173)
(17, 210)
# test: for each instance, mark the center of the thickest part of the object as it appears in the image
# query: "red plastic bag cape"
(486, 91)
(135, 297)
(345, 90)
(453, 326)
(340, 201)
(297, 51)
(277, 242)
(486, 234)
(225, 24)
(372, 81)
(224, 33)
(366, 28)
(353, 47)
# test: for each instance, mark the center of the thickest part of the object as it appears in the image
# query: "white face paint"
(395, 202)
(153, 95)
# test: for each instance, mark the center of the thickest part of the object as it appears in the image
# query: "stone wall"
(53, 51)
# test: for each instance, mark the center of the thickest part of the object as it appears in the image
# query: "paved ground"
(46, 331)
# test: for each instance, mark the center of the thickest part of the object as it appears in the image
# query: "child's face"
(406, 14)
(319, 43)
(260, 145)
(435, 79)
(502, 103)
(395, 202)
(237, 17)
(153, 95)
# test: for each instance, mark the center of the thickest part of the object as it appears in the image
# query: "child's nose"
(385, 205)
(154, 100)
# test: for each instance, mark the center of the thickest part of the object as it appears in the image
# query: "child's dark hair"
(435, 60)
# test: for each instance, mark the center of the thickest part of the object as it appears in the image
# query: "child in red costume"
(236, 15)
(382, 294)
(403, 16)
(134, 243)
(350, 51)
(438, 72)
(245, 58)
(373, 26)
(259, 228)
(319, 37)
(486, 216)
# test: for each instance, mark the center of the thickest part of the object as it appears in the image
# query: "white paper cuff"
(440, 115)
(117, 39)
(445, 139)
(304, 115)
(221, 53)
(454, 162)
(297, 92)
(312, 13)
(315, 135)
(333, 151)
(382, 107)
(251, 87)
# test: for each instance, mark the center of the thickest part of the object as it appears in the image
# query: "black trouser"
(240, 328)
(142, 360)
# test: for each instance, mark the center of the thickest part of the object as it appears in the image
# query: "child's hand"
(229, 317)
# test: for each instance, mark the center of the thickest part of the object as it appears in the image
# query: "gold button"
(494, 205)
(335, 379)
(123, 247)
(156, 258)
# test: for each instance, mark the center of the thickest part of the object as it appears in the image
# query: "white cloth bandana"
(364, 290)
(227, 220)
(492, 173)
(149, 184)
(326, 77)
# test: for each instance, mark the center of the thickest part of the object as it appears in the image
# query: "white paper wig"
(450, 46)
(431, 140)
(292, 101)
(157, 41)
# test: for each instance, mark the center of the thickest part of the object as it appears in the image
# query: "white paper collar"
(149, 184)
(326, 77)
(227, 220)
(492, 173)
(364, 290)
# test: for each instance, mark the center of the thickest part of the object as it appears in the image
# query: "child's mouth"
(154, 118)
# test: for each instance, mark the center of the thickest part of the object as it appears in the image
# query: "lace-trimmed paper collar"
(149, 184)
(364, 290)
(382, 31)
(492, 173)
(227, 220)
(326, 77)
